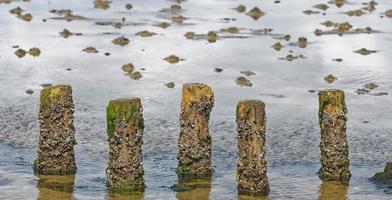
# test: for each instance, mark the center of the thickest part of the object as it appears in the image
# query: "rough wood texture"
(125, 126)
(194, 143)
(57, 133)
(252, 166)
(334, 156)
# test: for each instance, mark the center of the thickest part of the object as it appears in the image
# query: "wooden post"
(334, 158)
(194, 142)
(125, 126)
(57, 133)
(252, 166)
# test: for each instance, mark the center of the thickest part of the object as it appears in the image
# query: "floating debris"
(121, 41)
(329, 23)
(178, 19)
(290, 57)
(302, 42)
(102, 4)
(240, 8)
(190, 35)
(145, 33)
(338, 59)
(242, 81)
(129, 6)
(255, 13)
(231, 30)
(20, 53)
(338, 3)
(344, 27)
(356, 13)
(66, 33)
(26, 17)
(312, 91)
(247, 73)
(218, 70)
(29, 91)
(370, 86)
(277, 46)
(128, 68)
(330, 78)
(16, 11)
(364, 51)
(381, 94)
(170, 85)
(34, 51)
(362, 91)
(388, 13)
(135, 75)
(321, 6)
(310, 12)
(46, 85)
(371, 6)
(285, 37)
(172, 59)
(212, 36)
(90, 50)
(175, 8)
(164, 24)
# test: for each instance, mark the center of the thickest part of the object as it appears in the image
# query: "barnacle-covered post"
(334, 158)
(252, 166)
(125, 126)
(194, 142)
(57, 133)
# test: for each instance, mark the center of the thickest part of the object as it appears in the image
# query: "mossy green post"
(55, 155)
(334, 149)
(194, 142)
(125, 127)
(384, 177)
(251, 167)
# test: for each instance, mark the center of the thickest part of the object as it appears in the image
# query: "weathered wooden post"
(194, 142)
(334, 158)
(125, 126)
(57, 133)
(252, 166)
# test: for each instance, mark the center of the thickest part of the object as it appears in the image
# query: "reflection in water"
(118, 196)
(332, 190)
(55, 187)
(194, 188)
(247, 197)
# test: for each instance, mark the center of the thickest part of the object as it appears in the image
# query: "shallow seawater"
(292, 121)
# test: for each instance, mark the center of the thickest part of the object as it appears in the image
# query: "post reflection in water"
(247, 197)
(193, 188)
(333, 190)
(124, 196)
(55, 187)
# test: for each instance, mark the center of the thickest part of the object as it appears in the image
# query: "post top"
(253, 102)
(330, 91)
(195, 92)
(120, 101)
(55, 94)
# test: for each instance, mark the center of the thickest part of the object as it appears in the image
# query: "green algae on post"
(125, 127)
(194, 142)
(334, 156)
(251, 167)
(55, 155)
(384, 177)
